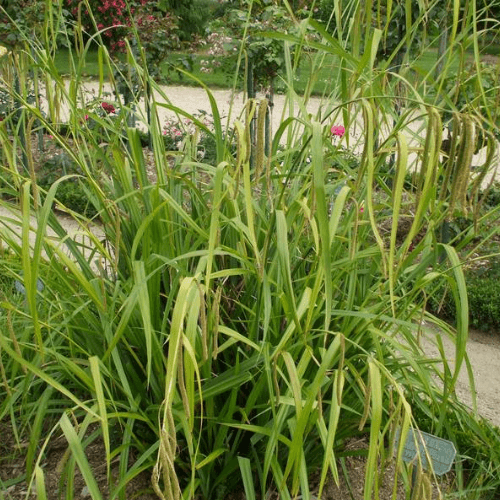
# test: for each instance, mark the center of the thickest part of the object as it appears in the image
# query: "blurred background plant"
(20, 17)
(113, 18)
(72, 193)
(193, 16)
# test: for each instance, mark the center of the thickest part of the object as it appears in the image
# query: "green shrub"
(19, 17)
(483, 293)
(492, 199)
(72, 192)
(194, 16)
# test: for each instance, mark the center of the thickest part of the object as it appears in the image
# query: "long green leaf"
(79, 454)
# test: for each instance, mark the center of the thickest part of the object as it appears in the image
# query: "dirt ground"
(140, 487)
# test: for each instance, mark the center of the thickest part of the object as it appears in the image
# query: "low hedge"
(483, 292)
(71, 192)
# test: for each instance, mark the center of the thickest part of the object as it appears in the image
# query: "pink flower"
(109, 108)
(338, 130)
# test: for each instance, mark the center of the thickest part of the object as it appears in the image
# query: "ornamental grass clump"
(230, 325)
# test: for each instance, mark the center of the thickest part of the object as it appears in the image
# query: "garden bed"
(12, 474)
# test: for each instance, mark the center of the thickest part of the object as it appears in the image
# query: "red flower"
(109, 108)
(338, 130)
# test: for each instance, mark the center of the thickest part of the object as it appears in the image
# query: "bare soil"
(483, 351)
(12, 472)
(12, 469)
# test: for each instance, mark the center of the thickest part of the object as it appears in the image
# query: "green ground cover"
(220, 77)
(223, 77)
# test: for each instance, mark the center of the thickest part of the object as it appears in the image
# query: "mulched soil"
(13, 471)
(15, 485)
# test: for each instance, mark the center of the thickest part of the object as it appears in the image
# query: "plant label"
(440, 451)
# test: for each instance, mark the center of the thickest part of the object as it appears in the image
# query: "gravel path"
(483, 350)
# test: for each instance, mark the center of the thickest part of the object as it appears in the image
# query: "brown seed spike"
(261, 133)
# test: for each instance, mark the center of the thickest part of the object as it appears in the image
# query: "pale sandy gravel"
(483, 350)
(11, 228)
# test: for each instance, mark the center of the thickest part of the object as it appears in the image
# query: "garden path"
(11, 227)
(483, 350)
